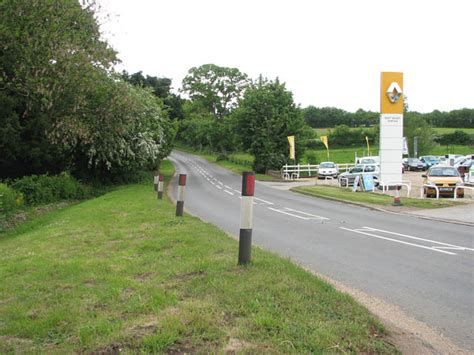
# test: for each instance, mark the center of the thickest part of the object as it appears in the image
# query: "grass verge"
(122, 273)
(346, 195)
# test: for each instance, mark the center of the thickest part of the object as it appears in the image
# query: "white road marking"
(359, 231)
(289, 214)
(220, 188)
(448, 246)
(228, 187)
(267, 202)
(237, 191)
(212, 182)
(306, 214)
(228, 192)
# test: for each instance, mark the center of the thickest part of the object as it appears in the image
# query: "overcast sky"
(329, 53)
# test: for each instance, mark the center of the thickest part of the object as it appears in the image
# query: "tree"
(47, 48)
(266, 117)
(415, 125)
(161, 87)
(217, 88)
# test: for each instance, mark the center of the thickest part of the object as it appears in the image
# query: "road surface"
(424, 267)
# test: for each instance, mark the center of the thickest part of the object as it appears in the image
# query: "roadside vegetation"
(346, 195)
(121, 273)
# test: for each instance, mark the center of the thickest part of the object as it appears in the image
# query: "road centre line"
(395, 240)
(447, 246)
(287, 213)
(228, 192)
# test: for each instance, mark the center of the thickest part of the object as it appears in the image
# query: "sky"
(329, 53)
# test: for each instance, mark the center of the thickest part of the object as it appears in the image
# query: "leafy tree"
(47, 48)
(415, 125)
(161, 87)
(266, 116)
(216, 88)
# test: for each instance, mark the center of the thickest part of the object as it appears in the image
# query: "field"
(439, 130)
(121, 273)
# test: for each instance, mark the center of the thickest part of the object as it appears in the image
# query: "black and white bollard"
(155, 181)
(161, 180)
(180, 203)
(246, 215)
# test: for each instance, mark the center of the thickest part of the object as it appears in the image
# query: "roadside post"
(180, 202)
(161, 179)
(155, 180)
(246, 215)
(396, 199)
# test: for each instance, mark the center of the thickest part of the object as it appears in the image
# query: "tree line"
(329, 117)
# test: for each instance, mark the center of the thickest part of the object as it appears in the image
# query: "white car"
(327, 168)
(368, 160)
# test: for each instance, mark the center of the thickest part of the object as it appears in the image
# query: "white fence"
(292, 172)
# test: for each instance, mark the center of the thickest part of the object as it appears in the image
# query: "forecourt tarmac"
(424, 267)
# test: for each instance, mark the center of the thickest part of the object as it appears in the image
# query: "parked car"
(429, 160)
(446, 178)
(347, 178)
(327, 168)
(368, 160)
(414, 164)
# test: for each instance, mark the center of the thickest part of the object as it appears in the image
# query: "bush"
(10, 200)
(38, 189)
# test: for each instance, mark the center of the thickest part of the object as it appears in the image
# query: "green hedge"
(39, 189)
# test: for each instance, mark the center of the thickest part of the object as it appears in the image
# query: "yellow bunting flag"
(368, 147)
(291, 140)
(324, 139)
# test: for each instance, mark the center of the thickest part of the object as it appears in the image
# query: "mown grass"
(122, 273)
(444, 130)
(341, 194)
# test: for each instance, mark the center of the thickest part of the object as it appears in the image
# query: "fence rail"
(293, 172)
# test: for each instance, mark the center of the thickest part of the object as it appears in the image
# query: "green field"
(442, 130)
(121, 273)
(439, 130)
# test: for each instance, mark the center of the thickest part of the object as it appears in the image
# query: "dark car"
(414, 164)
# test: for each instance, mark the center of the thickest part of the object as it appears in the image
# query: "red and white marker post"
(246, 215)
(161, 180)
(396, 198)
(180, 203)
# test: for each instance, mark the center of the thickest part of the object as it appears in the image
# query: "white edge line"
(396, 241)
(307, 214)
(289, 214)
(267, 202)
(417, 238)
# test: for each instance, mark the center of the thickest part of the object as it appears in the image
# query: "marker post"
(246, 214)
(161, 179)
(155, 181)
(180, 202)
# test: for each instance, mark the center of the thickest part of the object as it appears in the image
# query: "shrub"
(10, 200)
(38, 189)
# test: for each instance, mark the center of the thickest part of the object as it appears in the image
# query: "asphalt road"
(424, 267)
